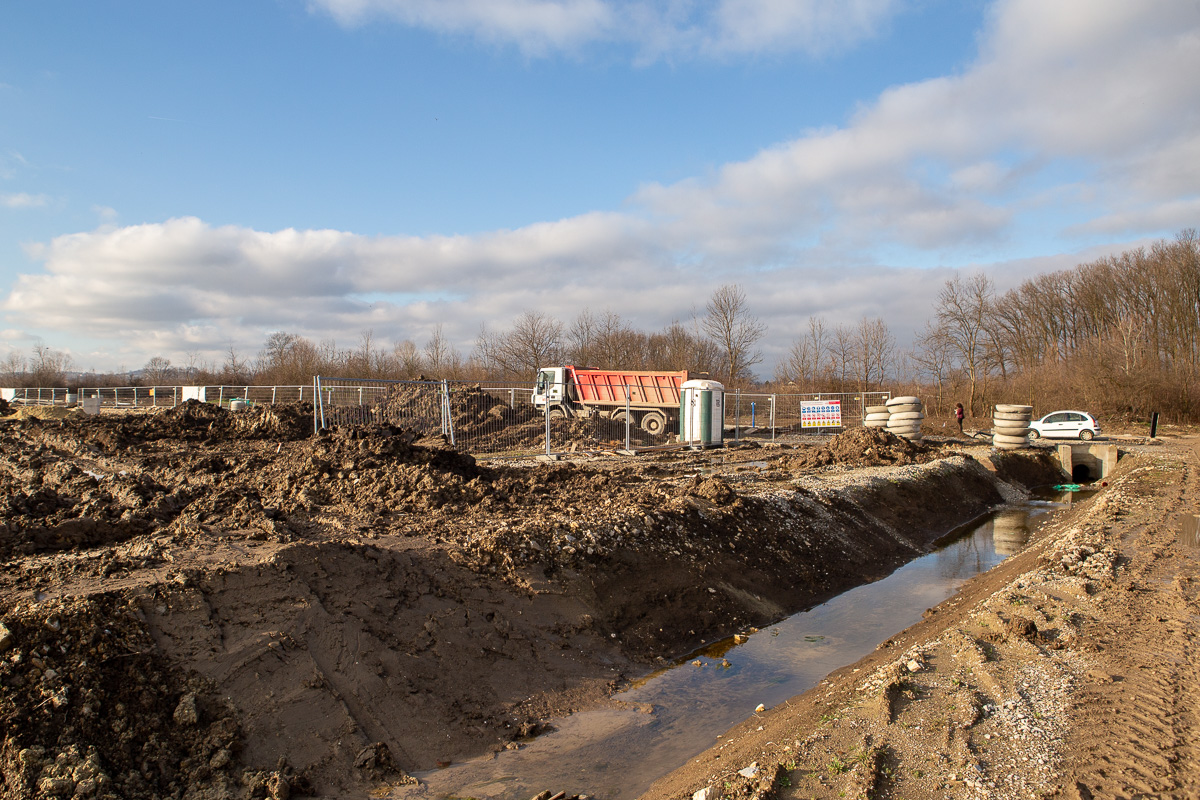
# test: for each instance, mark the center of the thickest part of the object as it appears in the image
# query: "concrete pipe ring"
(903, 415)
(1000, 438)
(1014, 409)
(895, 401)
(876, 409)
(903, 407)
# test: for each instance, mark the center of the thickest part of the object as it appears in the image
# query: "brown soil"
(1068, 671)
(213, 604)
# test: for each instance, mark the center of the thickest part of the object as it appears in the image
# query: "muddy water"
(675, 713)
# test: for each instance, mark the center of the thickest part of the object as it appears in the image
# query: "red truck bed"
(606, 387)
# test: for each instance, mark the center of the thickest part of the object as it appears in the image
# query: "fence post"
(320, 404)
(772, 418)
(737, 417)
(546, 408)
(447, 409)
(628, 416)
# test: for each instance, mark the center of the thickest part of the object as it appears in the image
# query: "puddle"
(671, 715)
(1189, 531)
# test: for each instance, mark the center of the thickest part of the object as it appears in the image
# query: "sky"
(180, 178)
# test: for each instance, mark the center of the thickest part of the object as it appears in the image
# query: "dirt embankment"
(1068, 671)
(214, 604)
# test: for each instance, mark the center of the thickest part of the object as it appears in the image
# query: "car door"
(1056, 425)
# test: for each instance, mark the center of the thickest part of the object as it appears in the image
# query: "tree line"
(1119, 336)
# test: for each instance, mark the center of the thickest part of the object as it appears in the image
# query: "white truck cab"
(551, 386)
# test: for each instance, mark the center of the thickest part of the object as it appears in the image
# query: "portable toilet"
(701, 412)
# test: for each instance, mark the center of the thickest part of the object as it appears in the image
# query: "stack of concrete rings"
(876, 417)
(904, 417)
(1010, 426)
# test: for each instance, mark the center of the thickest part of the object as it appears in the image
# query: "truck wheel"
(654, 423)
(558, 412)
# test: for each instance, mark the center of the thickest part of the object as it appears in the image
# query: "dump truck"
(651, 399)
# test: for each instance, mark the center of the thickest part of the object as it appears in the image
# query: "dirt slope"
(1068, 671)
(204, 604)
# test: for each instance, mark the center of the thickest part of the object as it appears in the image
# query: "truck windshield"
(543, 382)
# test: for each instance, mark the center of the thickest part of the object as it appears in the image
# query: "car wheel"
(1033, 434)
(1086, 435)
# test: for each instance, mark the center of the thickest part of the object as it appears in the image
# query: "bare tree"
(735, 331)
(409, 361)
(963, 308)
(192, 366)
(581, 340)
(841, 350)
(48, 367)
(12, 369)
(932, 356)
(806, 357)
(438, 353)
(158, 371)
(234, 371)
(534, 341)
(873, 348)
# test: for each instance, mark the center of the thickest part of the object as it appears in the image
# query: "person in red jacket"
(958, 415)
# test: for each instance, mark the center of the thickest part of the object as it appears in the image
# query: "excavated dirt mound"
(499, 421)
(862, 447)
(92, 709)
(193, 421)
(5, 408)
(373, 601)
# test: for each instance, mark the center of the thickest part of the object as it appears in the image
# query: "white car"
(1065, 425)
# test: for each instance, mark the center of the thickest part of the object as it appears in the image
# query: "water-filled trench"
(675, 713)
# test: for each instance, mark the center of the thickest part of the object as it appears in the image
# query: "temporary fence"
(495, 418)
(758, 415)
(481, 417)
(158, 396)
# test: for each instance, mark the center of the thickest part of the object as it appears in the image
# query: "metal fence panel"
(485, 418)
(480, 417)
(771, 415)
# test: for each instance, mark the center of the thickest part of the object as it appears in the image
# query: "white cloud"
(949, 162)
(23, 200)
(1091, 133)
(658, 28)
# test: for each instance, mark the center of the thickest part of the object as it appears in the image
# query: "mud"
(212, 604)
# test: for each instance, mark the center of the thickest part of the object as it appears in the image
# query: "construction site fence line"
(490, 418)
(499, 419)
(166, 396)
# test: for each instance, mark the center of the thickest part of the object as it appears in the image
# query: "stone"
(185, 711)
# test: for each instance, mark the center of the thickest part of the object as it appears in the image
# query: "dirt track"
(220, 605)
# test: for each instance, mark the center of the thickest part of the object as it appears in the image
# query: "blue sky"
(179, 177)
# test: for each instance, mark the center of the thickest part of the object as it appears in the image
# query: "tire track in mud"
(1135, 720)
